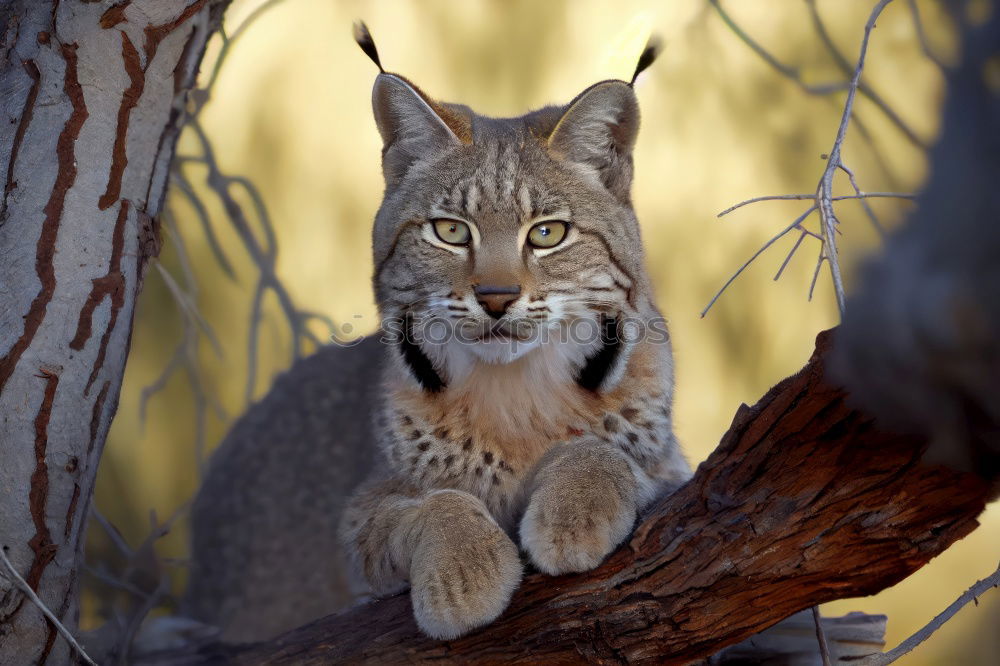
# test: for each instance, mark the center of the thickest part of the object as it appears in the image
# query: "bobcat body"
(521, 396)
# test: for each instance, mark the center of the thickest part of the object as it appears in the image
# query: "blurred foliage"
(291, 111)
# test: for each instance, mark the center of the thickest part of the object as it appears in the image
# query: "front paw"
(572, 529)
(464, 569)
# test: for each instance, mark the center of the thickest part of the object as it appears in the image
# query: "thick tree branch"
(804, 501)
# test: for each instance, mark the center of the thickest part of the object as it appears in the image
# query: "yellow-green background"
(291, 111)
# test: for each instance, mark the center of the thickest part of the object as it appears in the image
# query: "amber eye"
(547, 234)
(452, 232)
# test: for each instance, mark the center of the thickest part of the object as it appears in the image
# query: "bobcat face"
(499, 236)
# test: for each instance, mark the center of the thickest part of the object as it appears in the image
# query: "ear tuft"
(647, 57)
(367, 44)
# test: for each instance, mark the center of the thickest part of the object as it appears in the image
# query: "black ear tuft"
(367, 44)
(649, 54)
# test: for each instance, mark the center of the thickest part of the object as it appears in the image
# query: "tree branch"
(925, 632)
(792, 510)
(12, 574)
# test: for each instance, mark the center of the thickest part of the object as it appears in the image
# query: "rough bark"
(804, 501)
(92, 97)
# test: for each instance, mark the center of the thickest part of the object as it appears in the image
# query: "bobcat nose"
(496, 299)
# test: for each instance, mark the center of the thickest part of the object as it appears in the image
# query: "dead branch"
(824, 648)
(828, 217)
(802, 197)
(794, 74)
(866, 90)
(792, 510)
(11, 574)
(925, 632)
(823, 198)
(925, 46)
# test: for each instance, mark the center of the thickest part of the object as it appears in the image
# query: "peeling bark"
(79, 196)
(804, 501)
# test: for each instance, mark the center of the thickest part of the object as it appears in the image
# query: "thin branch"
(924, 633)
(136, 619)
(271, 242)
(787, 71)
(794, 74)
(828, 218)
(228, 41)
(791, 253)
(116, 537)
(863, 88)
(188, 308)
(185, 355)
(772, 241)
(30, 593)
(109, 579)
(819, 265)
(798, 197)
(823, 198)
(925, 46)
(264, 256)
(178, 178)
(864, 201)
(824, 649)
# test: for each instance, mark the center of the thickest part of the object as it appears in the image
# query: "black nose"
(496, 299)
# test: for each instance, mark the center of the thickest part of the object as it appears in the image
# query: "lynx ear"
(411, 128)
(598, 131)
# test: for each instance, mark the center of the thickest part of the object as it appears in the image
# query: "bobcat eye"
(547, 234)
(452, 232)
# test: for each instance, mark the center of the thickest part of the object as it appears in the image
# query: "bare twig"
(228, 41)
(794, 225)
(863, 87)
(791, 253)
(864, 201)
(30, 593)
(178, 178)
(185, 354)
(264, 256)
(109, 579)
(924, 633)
(792, 73)
(188, 308)
(116, 537)
(823, 198)
(824, 649)
(136, 619)
(824, 194)
(795, 75)
(925, 46)
(802, 197)
(819, 265)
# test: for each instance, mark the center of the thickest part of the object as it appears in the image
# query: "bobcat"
(520, 390)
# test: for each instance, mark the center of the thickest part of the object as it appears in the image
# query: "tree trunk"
(93, 97)
(804, 501)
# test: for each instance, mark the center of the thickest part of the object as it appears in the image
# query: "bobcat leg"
(582, 504)
(462, 568)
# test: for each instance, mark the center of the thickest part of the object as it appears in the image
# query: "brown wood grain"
(804, 501)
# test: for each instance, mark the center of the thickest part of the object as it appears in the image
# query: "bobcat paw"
(464, 569)
(566, 531)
